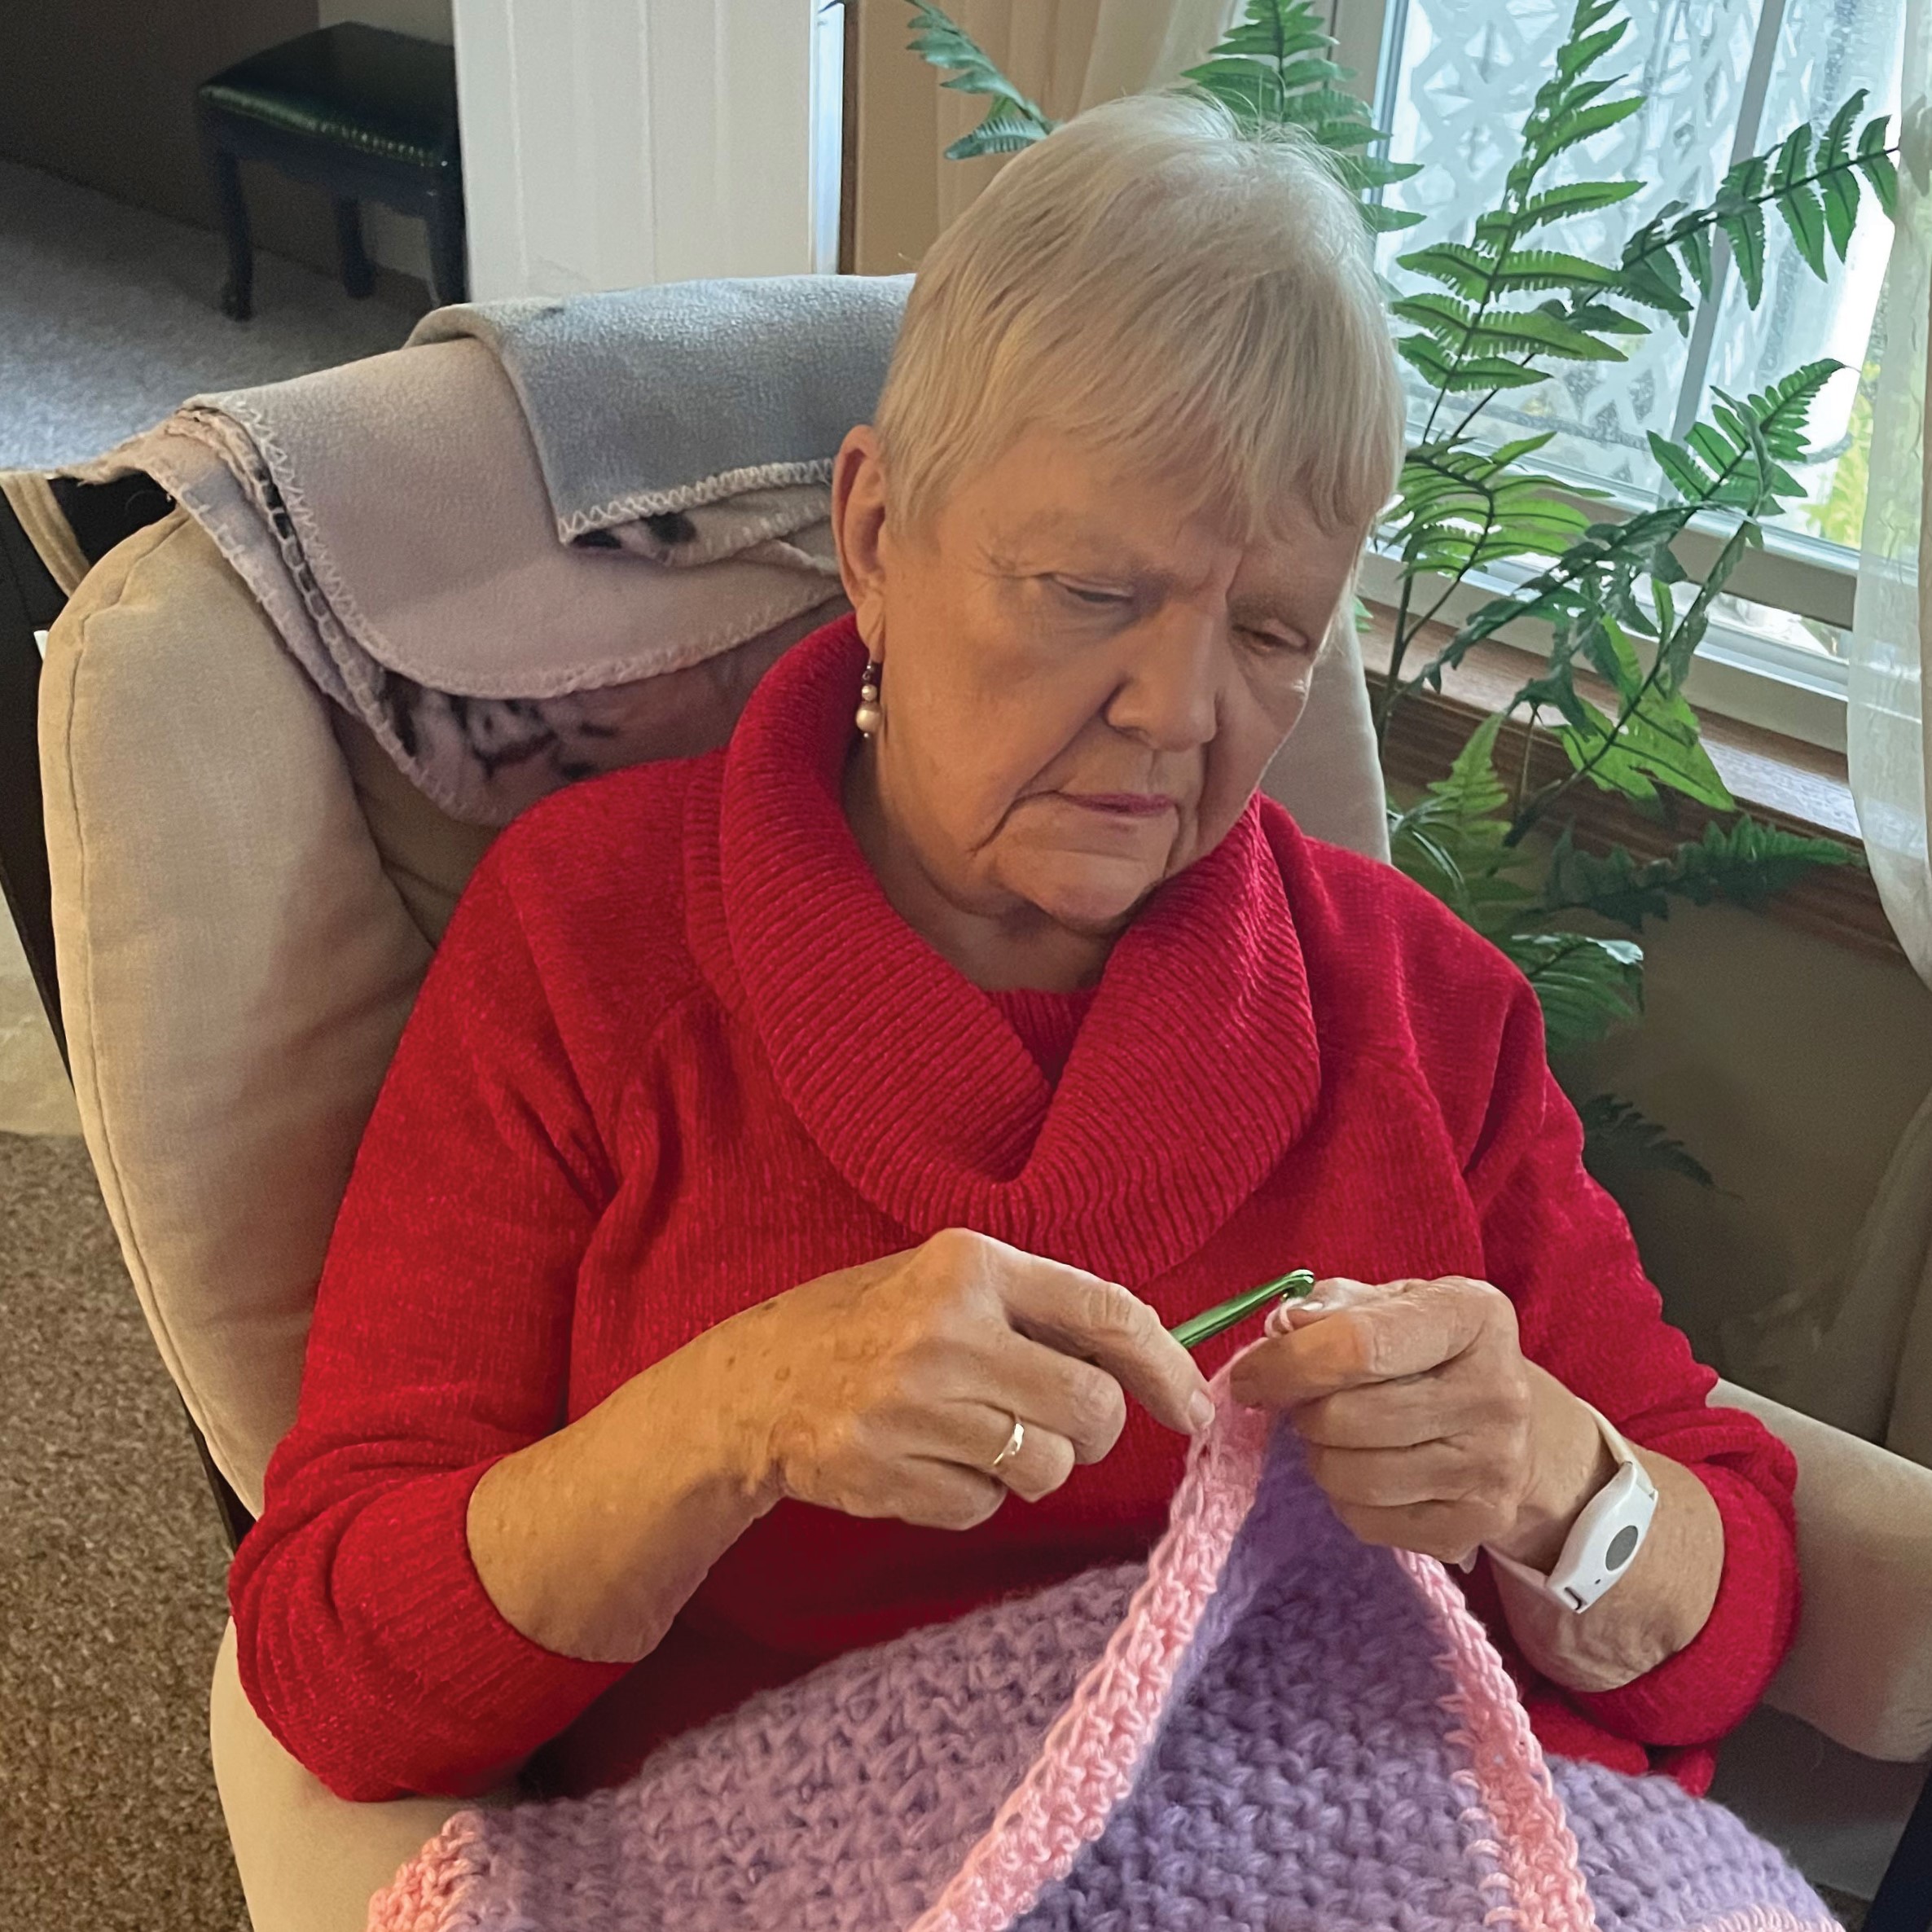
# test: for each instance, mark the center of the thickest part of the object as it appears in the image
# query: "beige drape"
(1066, 53)
(1870, 1366)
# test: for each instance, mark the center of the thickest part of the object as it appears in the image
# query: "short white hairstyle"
(1164, 287)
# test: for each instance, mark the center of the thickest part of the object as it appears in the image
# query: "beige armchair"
(244, 893)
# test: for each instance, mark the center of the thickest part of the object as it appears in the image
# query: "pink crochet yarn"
(1091, 1755)
(1273, 1725)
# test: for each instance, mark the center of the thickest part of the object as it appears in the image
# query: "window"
(1721, 79)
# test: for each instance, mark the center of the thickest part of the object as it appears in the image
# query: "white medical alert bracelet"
(1605, 1536)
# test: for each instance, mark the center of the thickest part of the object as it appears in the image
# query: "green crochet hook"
(1214, 1321)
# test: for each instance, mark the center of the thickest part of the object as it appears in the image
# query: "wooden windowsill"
(1781, 781)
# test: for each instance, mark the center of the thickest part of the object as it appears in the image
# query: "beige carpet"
(34, 1095)
(111, 1579)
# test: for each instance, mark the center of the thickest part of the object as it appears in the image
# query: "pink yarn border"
(1086, 1764)
(1534, 1848)
(1768, 1918)
(426, 1894)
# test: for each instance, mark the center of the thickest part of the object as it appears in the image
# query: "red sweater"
(677, 1053)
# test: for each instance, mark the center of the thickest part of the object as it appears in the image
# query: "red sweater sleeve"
(440, 1344)
(1560, 1247)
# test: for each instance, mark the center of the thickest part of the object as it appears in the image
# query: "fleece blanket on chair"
(1269, 1725)
(548, 538)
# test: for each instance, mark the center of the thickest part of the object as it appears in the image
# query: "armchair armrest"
(1861, 1668)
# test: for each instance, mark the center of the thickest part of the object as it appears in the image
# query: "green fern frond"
(1733, 460)
(1478, 337)
(1454, 840)
(1654, 740)
(1275, 68)
(1736, 458)
(1813, 182)
(1744, 862)
(1459, 508)
(1587, 987)
(1616, 1135)
(1012, 122)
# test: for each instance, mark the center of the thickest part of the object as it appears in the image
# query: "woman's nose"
(1169, 696)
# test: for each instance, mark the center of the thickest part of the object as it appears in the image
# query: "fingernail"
(1281, 1316)
(1200, 1412)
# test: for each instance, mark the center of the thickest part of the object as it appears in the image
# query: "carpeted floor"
(107, 320)
(110, 1585)
(112, 1565)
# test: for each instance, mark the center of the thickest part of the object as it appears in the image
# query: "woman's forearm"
(591, 1541)
(1659, 1604)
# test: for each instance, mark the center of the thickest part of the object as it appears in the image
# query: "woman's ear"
(859, 527)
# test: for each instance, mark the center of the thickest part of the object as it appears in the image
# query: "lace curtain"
(1871, 1369)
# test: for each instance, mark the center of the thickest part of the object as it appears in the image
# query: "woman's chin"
(1096, 896)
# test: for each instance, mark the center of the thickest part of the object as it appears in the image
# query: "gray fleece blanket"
(649, 401)
(545, 538)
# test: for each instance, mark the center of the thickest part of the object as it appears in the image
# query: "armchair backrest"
(246, 893)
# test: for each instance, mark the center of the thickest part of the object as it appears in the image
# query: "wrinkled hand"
(888, 1389)
(1422, 1420)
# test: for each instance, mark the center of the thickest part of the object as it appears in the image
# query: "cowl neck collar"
(1196, 1068)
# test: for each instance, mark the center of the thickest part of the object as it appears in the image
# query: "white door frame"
(608, 143)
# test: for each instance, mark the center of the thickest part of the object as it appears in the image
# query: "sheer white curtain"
(1872, 1372)
(1069, 55)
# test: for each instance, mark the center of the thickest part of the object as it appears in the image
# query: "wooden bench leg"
(238, 291)
(449, 254)
(358, 277)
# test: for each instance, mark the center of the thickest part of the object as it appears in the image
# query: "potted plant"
(1504, 310)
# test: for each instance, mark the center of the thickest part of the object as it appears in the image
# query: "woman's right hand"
(888, 1389)
(884, 1390)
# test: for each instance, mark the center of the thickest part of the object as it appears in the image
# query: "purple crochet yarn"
(843, 1801)
(1657, 1859)
(1303, 1780)
(1309, 1773)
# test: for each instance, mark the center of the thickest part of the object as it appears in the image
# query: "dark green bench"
(363, 114)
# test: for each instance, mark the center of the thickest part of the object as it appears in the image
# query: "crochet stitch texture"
(1273, 1726)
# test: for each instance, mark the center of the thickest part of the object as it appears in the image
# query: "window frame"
(1740, 673)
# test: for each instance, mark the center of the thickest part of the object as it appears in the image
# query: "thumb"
(1331, 1296)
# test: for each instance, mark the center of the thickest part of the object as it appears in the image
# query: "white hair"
(1164, 287)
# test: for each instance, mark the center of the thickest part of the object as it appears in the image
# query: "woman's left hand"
(1423, 1421)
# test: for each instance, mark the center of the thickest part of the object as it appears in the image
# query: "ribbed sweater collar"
(1195, 1069)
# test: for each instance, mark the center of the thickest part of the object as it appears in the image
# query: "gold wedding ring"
(1013, 1443)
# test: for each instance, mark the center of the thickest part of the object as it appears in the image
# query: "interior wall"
(427, 19)
(102, 91)
(896, 201)
(1791, 1067)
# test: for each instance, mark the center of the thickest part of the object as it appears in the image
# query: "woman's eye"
(1275, 642)
(1090, 595)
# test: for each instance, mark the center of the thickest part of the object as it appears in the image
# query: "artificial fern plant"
(1510, 306)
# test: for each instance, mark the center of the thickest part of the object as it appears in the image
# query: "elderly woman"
(767, 1238)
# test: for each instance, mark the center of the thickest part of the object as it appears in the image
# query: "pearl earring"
(869, 717)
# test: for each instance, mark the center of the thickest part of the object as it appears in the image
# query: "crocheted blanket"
(1271, 1725)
